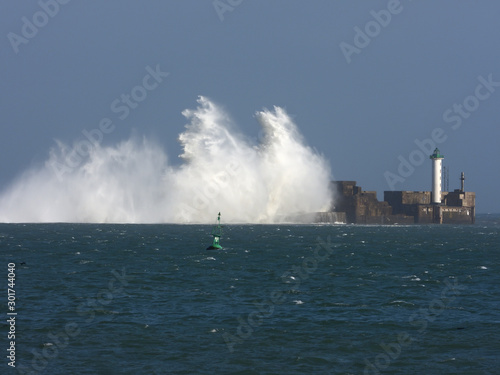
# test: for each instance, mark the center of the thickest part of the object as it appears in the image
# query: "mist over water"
(254, 181)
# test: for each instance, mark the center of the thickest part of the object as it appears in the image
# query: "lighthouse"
(436, 176)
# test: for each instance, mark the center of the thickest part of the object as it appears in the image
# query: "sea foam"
(259, 181)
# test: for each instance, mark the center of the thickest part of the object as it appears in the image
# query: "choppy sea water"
(279, 299)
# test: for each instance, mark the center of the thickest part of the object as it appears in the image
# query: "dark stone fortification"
(401, 207)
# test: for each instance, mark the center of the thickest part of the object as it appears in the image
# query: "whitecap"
(399, 302)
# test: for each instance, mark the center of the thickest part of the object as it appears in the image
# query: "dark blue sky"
(365, 81)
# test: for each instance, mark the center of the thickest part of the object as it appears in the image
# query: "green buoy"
(216, 233)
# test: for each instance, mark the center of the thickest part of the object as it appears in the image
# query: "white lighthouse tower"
(436, 176)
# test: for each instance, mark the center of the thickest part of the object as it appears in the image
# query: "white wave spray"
(133, 182)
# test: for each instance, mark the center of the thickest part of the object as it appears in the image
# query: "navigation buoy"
(216, 233)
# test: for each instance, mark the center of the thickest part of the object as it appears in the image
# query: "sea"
(277, 299)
